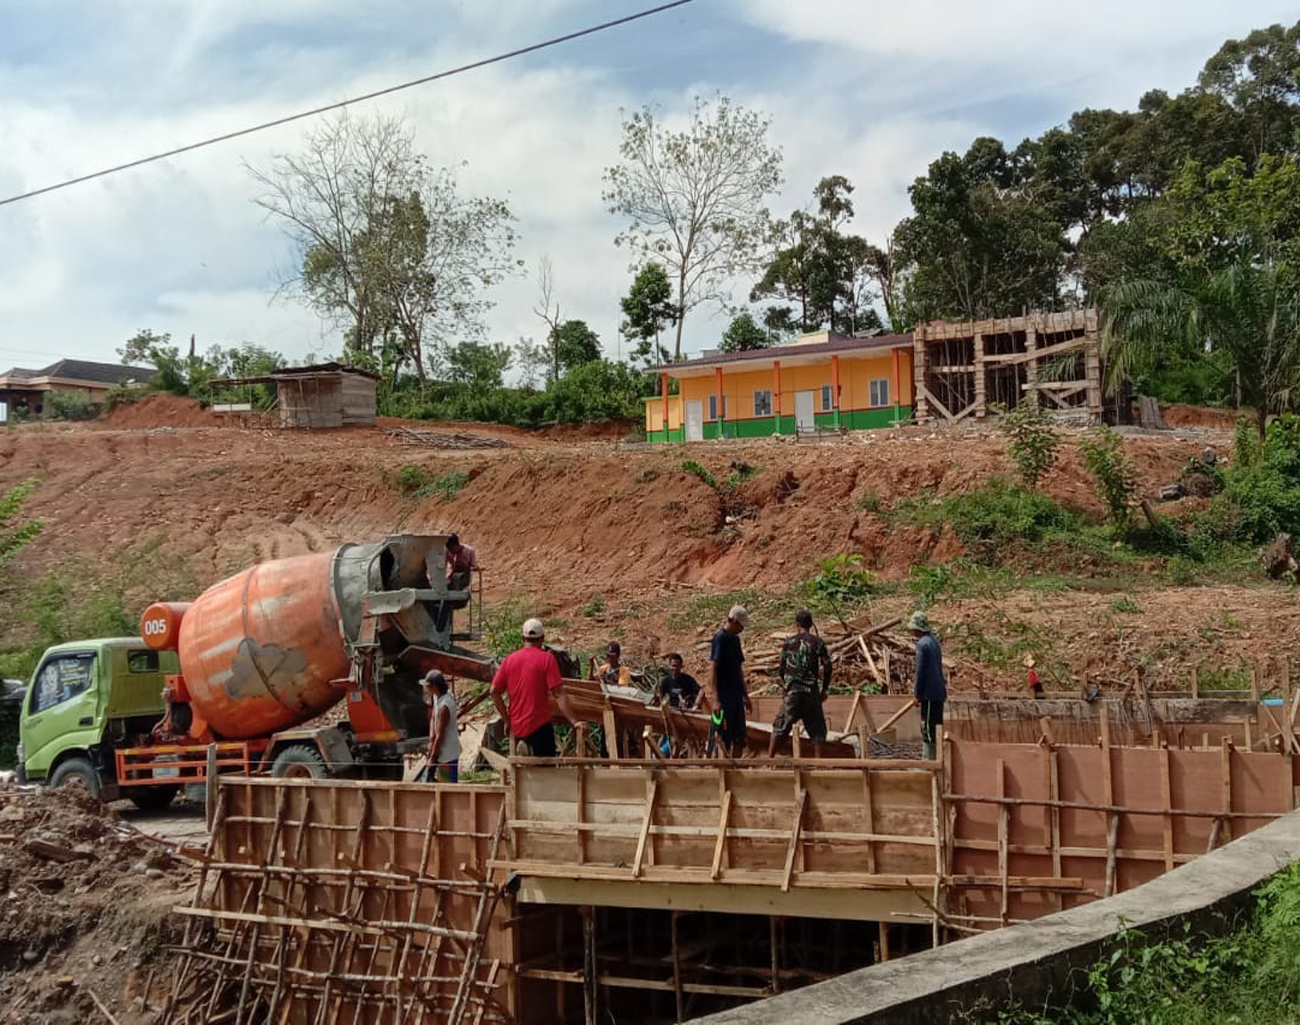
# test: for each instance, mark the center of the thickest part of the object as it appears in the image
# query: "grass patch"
(447, 486)
(1125, 604)
(594, 607)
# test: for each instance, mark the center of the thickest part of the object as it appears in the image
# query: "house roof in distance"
(82, 370)
(805, 349)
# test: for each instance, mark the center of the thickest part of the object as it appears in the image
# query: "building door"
(804, 415)
(695, 420)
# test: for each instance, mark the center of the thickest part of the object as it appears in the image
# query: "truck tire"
(299, 761)
(76, 772)
(154, 798)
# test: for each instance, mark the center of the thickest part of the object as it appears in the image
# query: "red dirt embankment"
(161, 410)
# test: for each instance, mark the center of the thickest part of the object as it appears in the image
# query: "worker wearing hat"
(727, 696)
(930, 690)
(1035, 685)
(444, 735)
(521, 691)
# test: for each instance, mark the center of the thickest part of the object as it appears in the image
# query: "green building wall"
(763, 427)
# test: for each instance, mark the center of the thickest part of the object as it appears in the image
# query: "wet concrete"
(1036, 962)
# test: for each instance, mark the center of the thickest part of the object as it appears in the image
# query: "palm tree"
(1249, 312)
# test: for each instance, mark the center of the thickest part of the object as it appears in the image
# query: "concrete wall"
(1039, 962)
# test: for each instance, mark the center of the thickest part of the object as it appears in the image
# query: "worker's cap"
(1029, 662)
(434, 678)
(533, 630)
(739, 614)
(919, 622)
(612, 648)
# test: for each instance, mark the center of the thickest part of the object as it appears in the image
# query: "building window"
(880, 392)
(713, 407)
(763, 402)
(827, 401)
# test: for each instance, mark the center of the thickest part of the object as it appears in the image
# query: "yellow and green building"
(821, 380)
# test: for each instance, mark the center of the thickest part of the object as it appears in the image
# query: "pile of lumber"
(862, 655)
(445, 439)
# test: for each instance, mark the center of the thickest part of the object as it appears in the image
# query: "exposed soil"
(163, 411)
(87, 906)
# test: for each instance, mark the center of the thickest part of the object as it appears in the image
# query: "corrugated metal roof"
(835, 345)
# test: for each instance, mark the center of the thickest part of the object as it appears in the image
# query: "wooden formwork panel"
(789, 827)
(1111, 817)
(357, 900)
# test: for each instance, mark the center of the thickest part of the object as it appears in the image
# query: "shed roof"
(297, 373)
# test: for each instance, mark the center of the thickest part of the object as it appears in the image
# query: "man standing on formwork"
(727, 695)
(527, 678)
(806, 676)
(930, 691)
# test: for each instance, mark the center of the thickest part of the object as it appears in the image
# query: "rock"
(1278, 558)
(154, 873)
(1171, 492)
(31, 956)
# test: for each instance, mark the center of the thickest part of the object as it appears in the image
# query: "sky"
(870, 90)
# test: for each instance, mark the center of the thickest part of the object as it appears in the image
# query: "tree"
(157, 350)
(648, 307)
(548, 309)
(574, 344)
(475, 366)
(1257, 76)
(743, 334)
(529, 357)
(1248, 312)
(384, 243)
(597, 390)
(694, 199)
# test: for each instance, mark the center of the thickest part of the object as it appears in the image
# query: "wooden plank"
(1167, 820)
(652, 793)
(1225, 784)
(795, 831)
(867, 823)
(1004, 819)
(720, 846)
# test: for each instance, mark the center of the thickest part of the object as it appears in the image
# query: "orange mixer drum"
(259, 649)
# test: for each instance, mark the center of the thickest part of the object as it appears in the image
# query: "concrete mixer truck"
(244, 669)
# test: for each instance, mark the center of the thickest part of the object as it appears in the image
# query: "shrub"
(695, 469)
(1113, 472)
(1032, 442)
(13, 533)
(841, 580)
(69, 405)
(448, 486)
(410, 478)
(994, 514)
(1263, 483)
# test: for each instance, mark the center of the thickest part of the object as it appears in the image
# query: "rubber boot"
(927, 751)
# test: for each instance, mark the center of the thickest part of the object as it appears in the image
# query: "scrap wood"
(55, 852)
(444, 439)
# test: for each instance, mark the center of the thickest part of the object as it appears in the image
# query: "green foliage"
(649, 309)
(994, 515)
(15, 533)
(410, 478)
(595, 607)
(1262, 484)
(69, 405)
(1114, 474)
(475, 366)
(869, 501)
(503, 626)
(1126, 604)
(842, 581)
(695, 469)
(743, 335)
(596, 390)
(447, 486)
(1032, 441)
(575, 344)
(1179, 977)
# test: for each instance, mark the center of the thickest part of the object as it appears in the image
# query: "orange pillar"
(722, 405)
(835, 390)
(776, 395)
(663, 381)
(897, 388)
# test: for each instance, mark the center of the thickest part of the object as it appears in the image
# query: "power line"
(355, 99)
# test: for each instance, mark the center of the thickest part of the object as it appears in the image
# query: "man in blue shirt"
(931, 691)
(727, 696)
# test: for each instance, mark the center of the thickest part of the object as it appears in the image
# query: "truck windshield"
(61, 679)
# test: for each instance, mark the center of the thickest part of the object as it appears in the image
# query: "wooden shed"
(321, 395)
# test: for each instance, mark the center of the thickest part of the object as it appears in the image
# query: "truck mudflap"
(329, 740)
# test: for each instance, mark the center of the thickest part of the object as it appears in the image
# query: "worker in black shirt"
(680, 688)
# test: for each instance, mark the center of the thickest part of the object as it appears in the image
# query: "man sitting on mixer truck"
(527, 678)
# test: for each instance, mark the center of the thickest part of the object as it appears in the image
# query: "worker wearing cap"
(444, 735)
(930, 691)
(727, 696)
(612, 672)
(527, 679)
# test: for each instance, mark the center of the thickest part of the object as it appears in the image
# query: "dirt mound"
(161, 411)
(86, 903)
(610, 430)
(1179, 415)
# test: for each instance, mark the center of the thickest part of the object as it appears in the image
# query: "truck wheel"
(299, 761)
(76, 772)
(152, 798)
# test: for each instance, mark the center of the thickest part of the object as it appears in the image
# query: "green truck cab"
(86, 700)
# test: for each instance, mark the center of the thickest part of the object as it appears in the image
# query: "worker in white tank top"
(444, 736)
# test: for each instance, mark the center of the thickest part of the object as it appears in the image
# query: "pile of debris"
(862, 654)
(445, 439)
(85, 903)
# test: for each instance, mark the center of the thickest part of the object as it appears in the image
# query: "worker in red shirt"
(527, 677)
